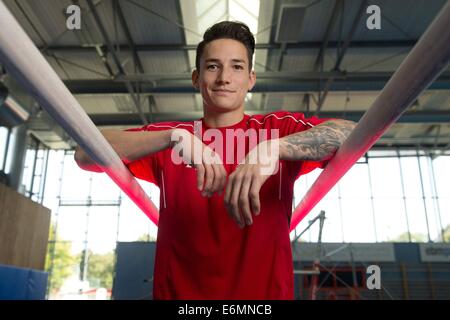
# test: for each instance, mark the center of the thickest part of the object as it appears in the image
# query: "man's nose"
(224, 76)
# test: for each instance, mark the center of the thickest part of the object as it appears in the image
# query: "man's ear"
(195, 79)
(252, 81)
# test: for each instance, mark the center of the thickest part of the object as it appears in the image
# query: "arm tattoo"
(318, 143)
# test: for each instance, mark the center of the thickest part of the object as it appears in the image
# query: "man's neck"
(222, 119)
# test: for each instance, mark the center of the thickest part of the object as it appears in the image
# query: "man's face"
(224, 76)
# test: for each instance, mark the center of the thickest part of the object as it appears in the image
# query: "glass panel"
(237, 10)
(444, 205)
(134, 225)
(442, 175)
(245, 10)
(100, 270)
(417, 220)
(385, 175)
(411, 177)
(53, 174)
(358, 220)
(311, 177)
(206, 18)
(52, 204)
(332, 228)
(151, 190)
(433, 219)
(300, 189)
(390, 219)
(426, 179)
(11, 145)
(311, 235)
(102, 232)
(75, 184)
(39, 163)
(304, 183)
(3, 138)
(103, 188)
(355, 183)
(72, 223)
(64, 260)
(28, 169)
(36, 185)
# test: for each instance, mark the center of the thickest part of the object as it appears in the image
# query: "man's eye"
(212, 67)
(238, 67)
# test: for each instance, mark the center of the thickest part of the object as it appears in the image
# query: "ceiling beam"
(116, 59)
(126, 31)
(259, 46)
(268, 82)
(341, 53)
(326, 38)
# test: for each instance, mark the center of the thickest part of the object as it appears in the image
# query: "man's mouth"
(222, 92)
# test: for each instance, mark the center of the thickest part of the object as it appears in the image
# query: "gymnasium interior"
(70, 234)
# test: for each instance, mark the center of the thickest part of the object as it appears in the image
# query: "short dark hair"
(228, 30)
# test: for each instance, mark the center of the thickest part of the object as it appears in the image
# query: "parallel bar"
(429, 57)
(27, 65)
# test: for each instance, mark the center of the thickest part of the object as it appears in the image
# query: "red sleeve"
(145, 168)
(148, 167)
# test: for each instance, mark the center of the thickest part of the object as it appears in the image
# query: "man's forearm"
(318, 143)
(129, 145)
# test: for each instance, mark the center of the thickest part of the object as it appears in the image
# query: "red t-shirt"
(201, 252)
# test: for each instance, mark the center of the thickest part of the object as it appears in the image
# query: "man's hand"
(242, 192)
(211, 174)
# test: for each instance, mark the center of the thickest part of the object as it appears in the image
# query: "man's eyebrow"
(212, 60)
(218, 60)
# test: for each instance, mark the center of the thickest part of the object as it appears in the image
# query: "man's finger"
(217, 178)
(244, 204)
(200, 172)
(209, 179)
(254, 195)
(223, 180)
(229, 187)
(234, 200)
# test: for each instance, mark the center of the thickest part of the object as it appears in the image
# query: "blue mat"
(22, 284)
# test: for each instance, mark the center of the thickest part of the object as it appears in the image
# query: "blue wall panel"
(134, 271)
(22, 284)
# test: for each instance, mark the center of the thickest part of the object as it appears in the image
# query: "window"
(4, 136)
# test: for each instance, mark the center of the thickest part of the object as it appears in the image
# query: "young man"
(225, 210)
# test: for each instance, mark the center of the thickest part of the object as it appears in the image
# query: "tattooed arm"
(241, 197)
(318, 143)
